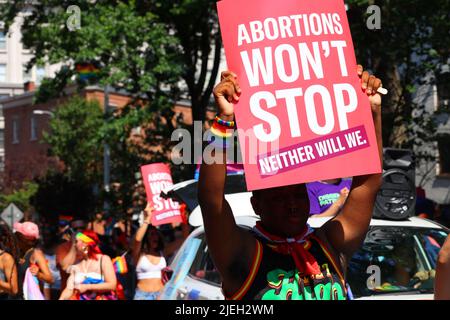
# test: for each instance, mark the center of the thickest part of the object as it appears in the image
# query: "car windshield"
(395, 259)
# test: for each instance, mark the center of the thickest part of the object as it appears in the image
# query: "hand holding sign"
(226, 94)
(227, 91)
(157, 179)
(372, 86)
(148, 213)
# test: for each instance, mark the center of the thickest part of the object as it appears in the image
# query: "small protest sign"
(157, 178)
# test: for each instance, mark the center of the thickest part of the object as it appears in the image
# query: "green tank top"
(274, 276)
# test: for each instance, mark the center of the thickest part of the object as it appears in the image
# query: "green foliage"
(135, 50)
(406, 53)
(21, 198)
(196, 27)
(75, 140)
(143, 46)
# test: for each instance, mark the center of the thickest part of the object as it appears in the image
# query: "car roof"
(239, 200)
(409, 222)
(239, 203)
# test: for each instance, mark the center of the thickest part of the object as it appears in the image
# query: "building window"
(443, 89)
(2, 41)
(33, 134)
(40, 74)
(26, 75)
(2, 72)
(443, 92)
(15, 127)
(444, 155)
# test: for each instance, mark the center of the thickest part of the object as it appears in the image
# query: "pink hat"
(28, 229)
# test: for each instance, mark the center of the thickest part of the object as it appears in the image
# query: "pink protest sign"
(157, 178)
(302, 115)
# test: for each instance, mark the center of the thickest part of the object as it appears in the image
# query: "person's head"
(87, 244)
(50, 240)
(27, 234)
(98, 216)
(7, 240)
(63, 223)
(78, 225)
(153, 240)
(284, 211)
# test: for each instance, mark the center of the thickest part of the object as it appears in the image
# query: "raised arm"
(66, 259)
(347, 231)
(335, 206)
(231, 248)
(136, 244)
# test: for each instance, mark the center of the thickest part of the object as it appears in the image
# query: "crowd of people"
(105, 260)
(86, 260)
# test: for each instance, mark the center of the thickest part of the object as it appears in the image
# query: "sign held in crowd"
(301, 95)
(157, 178)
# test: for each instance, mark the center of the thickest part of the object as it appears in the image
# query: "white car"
(397, 260)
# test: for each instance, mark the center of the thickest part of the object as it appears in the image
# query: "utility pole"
(106, 167)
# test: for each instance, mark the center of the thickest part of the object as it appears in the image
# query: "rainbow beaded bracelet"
(220, 135)
(229, 124)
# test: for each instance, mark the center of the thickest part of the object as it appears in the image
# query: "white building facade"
(13, 73)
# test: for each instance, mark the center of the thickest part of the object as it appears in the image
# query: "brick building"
(25, 153)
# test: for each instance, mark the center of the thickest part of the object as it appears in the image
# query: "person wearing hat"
(27, 235)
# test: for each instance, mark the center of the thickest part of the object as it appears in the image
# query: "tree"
(136, 53)
(196, 27)
(142, 46)
(21, 197)
(74, 139)
(405, 52)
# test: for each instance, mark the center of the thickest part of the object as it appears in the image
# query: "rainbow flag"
(86, 71)
(120, 264)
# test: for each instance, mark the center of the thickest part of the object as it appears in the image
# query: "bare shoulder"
(105, 258)
(38, 254)
(6, 258)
